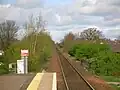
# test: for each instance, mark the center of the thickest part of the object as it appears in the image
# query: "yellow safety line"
(54, 85)
(34, 85)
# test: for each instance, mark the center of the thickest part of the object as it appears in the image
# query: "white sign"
(24, 52)
(1, 52)
(20, 66)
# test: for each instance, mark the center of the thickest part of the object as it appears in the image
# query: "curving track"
(72, 78)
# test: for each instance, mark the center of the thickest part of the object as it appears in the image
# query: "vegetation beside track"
(97, 54)
(115, 87)
(38, 58)
(101, 60)
(111, 78)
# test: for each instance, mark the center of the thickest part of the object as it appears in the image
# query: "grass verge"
(111, 78)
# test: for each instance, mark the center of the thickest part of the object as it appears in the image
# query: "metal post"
(25, 58)
(26, 64)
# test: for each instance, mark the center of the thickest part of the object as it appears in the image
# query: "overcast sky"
(63, 16)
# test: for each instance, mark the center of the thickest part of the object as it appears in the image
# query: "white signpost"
(24, 56)
(20, 67)
(25, 59)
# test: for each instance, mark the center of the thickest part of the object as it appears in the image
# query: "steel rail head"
(65, 81)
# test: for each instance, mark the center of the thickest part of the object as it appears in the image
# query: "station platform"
(43, 81)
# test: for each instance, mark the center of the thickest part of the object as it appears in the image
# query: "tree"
(8, 32)
(35, 25)
(69, 36)
(91, 34)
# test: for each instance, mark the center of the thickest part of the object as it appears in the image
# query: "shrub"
(72, 51)
(101, 59)
(3, 68)
(105, 63)
(3, 65)
(87, 50)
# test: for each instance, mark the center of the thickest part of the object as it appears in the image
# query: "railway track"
(73, 80)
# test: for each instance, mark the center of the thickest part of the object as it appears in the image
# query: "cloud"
(5, 6)
(29, 3)
(58, 18)
(112, 33)
(74, 16)
(24, 1)
(57, 37)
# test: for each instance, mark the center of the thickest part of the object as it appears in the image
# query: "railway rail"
(73, 79)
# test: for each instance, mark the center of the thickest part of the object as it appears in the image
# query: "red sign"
(24, 53)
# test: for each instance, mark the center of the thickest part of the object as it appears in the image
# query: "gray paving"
(14, 82)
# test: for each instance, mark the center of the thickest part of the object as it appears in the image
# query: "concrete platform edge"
(54, 85)
(35, 82)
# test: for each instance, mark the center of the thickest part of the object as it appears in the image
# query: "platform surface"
(15, 82)
(43, 81)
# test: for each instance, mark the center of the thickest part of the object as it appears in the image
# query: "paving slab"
(46, 82)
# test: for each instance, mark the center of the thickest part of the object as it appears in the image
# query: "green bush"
(72, 51)
(100, 58)
(37, 63)
(87, 50)
(3, 68)
(84, 51)
(106, 63)
(3, 65)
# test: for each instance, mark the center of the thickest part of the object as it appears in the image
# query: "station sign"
(24, 53)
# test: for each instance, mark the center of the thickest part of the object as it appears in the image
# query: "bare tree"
(40, 26)
(29, 26)
(34, 26)
(91, 34)
(8, 32)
